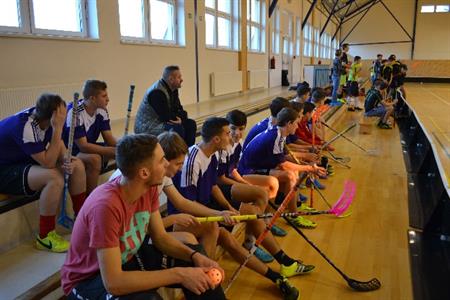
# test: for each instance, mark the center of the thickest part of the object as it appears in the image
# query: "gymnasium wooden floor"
(372, 242)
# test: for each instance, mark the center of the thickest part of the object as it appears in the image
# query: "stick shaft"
(130, 105)
(345, 137)
(255, 217)
(338, 136)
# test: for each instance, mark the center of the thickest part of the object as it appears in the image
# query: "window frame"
(232, 17)
(87, 18)
(298, 36)
(316, 44)
(308, 40)
(276, 32)
(177, 19)
(261, 27)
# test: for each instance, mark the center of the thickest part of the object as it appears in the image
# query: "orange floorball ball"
(216, 276)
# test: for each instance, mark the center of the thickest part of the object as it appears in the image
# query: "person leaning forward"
(161, 109)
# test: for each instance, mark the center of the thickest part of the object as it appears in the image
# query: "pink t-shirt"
(106, 220)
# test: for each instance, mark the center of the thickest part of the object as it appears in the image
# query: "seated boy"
(265, 155)
(93, 120)
(120, 249)
(32, 161)
(375, 106)
(303, 92)
(197, 181)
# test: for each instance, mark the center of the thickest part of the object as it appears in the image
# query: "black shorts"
(226, 191)
(14, 179)
(261, 172)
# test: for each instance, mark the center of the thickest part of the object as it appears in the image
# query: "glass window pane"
(255, 10)
(209, 26)
(224, 6)
(442, 8)
(211, 3)
(254, 38)
(9, 14)
(224, 32)
(64, 15)
(131, 18)
(427, 9)
(162, 20)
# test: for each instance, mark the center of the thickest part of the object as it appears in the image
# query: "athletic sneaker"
(330, 170)
(289, 292)
(306, 208)
(316, 182)
(278, 231)
(302, 222)
(351, 109)
(297, 268)
(52, 242)
(358, 108)
(302, 198)
(384, 126)
(263, 256)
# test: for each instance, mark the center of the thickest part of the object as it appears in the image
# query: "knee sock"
(272, 275)
(46, 224)
(283, 259)
(77, 202)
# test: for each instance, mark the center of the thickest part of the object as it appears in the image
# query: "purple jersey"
(257, 129)
(196, 178)
(229, 159)
(265, 151)
(87, 126)
(21, 137)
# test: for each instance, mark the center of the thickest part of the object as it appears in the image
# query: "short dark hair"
(277, 105)
(379, 55)
(237, 118)
(93, 87)
(46, 104)
(297, 106)
(308, 107)
(392, 57)
(285, 116)
(303, 90)
(357, 57)
(345, 45)
(132, 150)
(338, 52)
(169, 70)
(213, 127)
(380, 84)
(172, 144)
(318, 95)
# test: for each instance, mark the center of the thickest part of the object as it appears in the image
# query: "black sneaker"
(289, 292)
(358, 108)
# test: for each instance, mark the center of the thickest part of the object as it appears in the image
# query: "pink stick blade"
(345, 200)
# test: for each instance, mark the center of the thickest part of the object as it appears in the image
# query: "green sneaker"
(289, 292)
(306, 208)
(53, 243)
(303, 222)
(297, 268)
(278, 231)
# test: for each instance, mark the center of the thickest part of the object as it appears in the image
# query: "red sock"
(46, 224)
(77, 202)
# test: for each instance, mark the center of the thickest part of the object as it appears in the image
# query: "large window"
(316, 34)
(298, 34)
(275, 24)
(256, 22)
(153, 21)
(221, 24)
(435, 8)
(307, 40)
(68, 18)
(325, 46)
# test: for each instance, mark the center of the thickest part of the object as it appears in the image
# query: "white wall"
(432, 31)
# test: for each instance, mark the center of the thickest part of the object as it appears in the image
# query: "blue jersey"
(265, 151)
(257, 129)
(228, 159)
(21, 137)
(87, 126)
(196, 178)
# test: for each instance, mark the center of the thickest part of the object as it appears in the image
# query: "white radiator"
(257, 78)
(13, 100)
(226, 82)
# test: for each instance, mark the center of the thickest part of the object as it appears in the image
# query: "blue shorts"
(378, 111)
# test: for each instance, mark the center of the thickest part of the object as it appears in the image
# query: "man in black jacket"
(161, 109)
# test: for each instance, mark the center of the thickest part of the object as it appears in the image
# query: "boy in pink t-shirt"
(119, 237)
